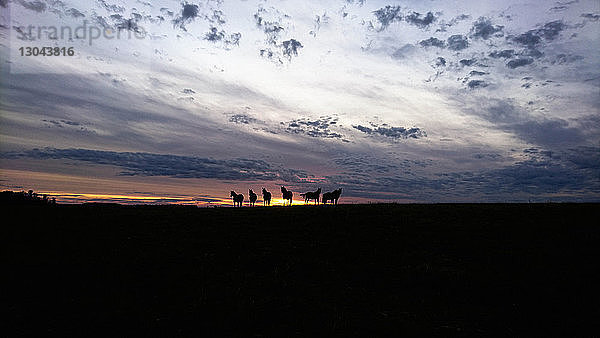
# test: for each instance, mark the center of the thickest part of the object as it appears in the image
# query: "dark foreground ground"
(368, 270)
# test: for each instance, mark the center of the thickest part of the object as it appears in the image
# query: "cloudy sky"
(412, 101)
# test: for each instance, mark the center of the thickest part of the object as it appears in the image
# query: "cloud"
(392, 132)
(242, 119)
(476, 73)
(320, 128)
(591, 16)
(548, 132)
(483, 28)
(545, 132)
(549, 32)
(36, 5)
(271, 23)
(291, 47)
(443, 25)
(519, 62)
(214, 35)
(571, 175)
(566, 58)
(188, 13)
(149, 164)
(416, 19)
(72, 12)
(457, 42)
(468, 62)
(388, 15)
(433, 42)
(506, 54)
(477, 84)
(273, 27)
(404, 51)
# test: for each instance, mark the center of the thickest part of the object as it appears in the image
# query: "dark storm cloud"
(548, 132)
(506, 54)
(149, 164)
(532, 52)
(420, 21)
(528, 39)
(291, 47)
(585, 158)
(320, 128)
(534, 177)
(433, 42)
(483, 28)
(457, 42)
(467, 62)
(549, 32)
(573, 171)
(392, 132)
(519, 62)
(477, 84)
(388, 15)
(543, 132)
(189, 12)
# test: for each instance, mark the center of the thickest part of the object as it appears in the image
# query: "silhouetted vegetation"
(22, 197)
(353, 270)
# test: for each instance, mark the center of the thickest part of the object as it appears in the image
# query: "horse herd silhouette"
(287, 195)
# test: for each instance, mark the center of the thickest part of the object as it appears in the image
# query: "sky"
(409, 102)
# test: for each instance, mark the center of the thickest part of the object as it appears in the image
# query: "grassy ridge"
(444, 269)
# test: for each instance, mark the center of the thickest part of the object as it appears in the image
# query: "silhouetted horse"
(266, 197)
(237, 198)
(252, 197)
(332, 196)
(312, 195)
(287, 195)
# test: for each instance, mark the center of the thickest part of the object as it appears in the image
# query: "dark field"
(368, 270)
